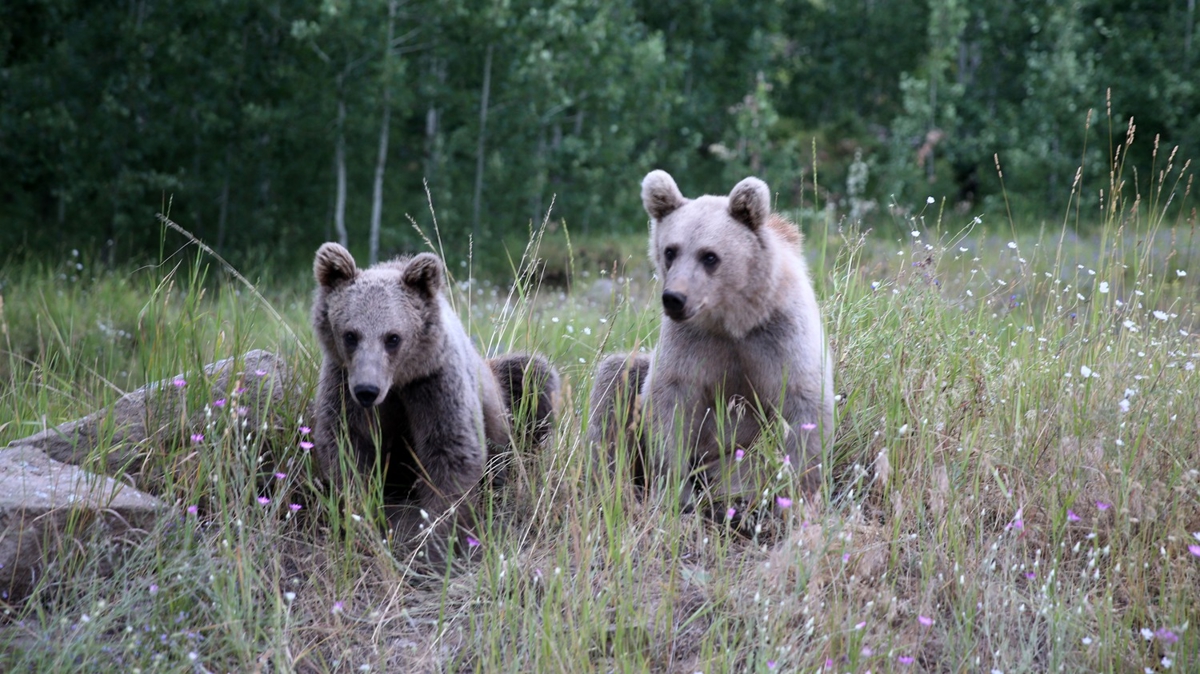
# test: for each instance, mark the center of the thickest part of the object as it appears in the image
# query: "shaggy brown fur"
(402, 384)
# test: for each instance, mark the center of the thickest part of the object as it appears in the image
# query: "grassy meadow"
(1015, 484)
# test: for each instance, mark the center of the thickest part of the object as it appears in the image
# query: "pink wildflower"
(263, 500)
(905, 660)
(730, 513)
(219, 402)
(925, 620)
(306, 445)
(783, 502)
(808, 427)
(1071, 516)
(1165, 635)
(1102, 505)
(179, 382)
(197, 438)
(305, 430)
(294, 507)
(739, 455)
(472, 541)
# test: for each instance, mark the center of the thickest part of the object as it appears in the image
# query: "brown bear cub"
(741, 345)
(402, 383)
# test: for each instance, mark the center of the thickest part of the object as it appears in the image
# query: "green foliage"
(231, 116)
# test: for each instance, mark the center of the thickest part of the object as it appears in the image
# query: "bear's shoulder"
(787, 230)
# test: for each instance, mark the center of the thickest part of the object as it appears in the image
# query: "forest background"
(267, 127)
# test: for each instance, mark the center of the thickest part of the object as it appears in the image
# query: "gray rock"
(126, 438)
(48, 507)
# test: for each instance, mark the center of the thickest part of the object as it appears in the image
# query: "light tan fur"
(741, 328)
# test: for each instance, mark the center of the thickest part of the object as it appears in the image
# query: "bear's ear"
(333, 266)
(750, 203)
(660, 194)
(424, 274)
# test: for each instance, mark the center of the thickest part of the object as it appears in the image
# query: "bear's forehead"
(702, 222)
(370, 295)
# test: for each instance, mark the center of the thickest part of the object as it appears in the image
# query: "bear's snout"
(675, 304)
(366, 394)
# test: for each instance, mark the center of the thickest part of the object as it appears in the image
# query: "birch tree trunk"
(483, 110)
(339, 159)
(381, 162)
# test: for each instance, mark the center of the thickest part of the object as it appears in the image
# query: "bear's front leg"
(677, 422)
(446, 422)
(810, 426)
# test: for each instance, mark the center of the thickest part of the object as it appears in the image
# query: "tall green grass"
(1015, 484)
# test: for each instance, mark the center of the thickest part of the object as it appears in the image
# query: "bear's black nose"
(673, 303)
(366, 394)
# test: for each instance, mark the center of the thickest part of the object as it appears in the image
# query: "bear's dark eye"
(709, 260)
(391, 342)
(669, 255)
(350, 339)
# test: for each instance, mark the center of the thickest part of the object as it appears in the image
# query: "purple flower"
(1102, 505)
(867, 652)
(860, 625)
(260, 373)
(338, 607)
(305, 430)
(153, 588)
(197, 438)
(179, 382)
(808, 427)
(730, 513)
(306, 445)
(239, 390)
(294, 507)
(1165, 635)
(905, 660)
(1194, 549)
(263, 500)
(192, 510)
(1030, 575)
(1017, 523)
(242, 411)
(280, 476)
(739, 455)
(925, 620)
(219, 402)
(787, 459)
(770, 664)
(472, 541)
(783, 502)
(1071, 516)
